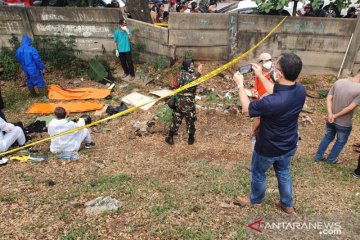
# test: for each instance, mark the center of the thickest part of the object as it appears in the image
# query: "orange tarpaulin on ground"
(59, 93)
(70, 107)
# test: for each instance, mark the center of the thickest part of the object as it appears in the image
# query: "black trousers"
(126, 63)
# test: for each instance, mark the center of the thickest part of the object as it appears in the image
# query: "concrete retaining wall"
(321, 42)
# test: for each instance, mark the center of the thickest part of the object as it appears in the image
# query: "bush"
(164, 114)
(8, 60)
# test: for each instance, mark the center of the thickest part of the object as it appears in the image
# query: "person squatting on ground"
(259, 90)
(70, 142)
(185, 102)
(32, 66)
(9, 134)
(122, 38)
(278, 131)
(342, 99)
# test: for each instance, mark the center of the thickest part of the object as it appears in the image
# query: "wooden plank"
(201, 38)
(182, 21)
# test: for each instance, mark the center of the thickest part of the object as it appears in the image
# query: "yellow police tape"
(161, 24)
(193, 83)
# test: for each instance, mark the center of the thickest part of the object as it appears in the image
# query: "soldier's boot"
(170, 138)
(191, 139)
(33, 92)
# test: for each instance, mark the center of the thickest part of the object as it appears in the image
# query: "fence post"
(353, 51)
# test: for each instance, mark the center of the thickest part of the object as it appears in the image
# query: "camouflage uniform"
(185, 103)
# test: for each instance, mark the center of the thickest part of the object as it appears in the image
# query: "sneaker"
(356, 175)
(89, 145)
(132, 78)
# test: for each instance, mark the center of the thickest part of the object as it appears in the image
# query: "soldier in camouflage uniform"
(185, 102)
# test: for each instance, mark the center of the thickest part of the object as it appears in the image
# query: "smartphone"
(245, 69)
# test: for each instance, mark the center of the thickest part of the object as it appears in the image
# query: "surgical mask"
(267, 65)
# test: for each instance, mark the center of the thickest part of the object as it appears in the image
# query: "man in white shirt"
(70, 142)
(9, 134)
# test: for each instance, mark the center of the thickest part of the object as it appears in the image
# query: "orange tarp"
(59, 93)
(70, 107)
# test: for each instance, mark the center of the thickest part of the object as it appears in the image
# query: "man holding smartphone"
(278, 132)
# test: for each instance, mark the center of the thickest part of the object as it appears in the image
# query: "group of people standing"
(278, 101)
(158, 13)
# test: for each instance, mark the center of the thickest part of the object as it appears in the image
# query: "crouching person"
(70, 142)
(9, 134)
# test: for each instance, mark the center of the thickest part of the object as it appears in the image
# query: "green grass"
(80, 233)
(10, 198)
(16, 99)
(128, 88)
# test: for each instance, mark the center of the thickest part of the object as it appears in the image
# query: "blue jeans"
(259, 165)
(342, 135)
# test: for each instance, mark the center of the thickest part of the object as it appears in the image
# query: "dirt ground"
(180, 191)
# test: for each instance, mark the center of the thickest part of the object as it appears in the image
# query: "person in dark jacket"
(32, 66)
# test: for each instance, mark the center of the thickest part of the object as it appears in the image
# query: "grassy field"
(175, 192)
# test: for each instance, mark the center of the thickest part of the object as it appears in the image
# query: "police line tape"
(161, 24)
(191, 84)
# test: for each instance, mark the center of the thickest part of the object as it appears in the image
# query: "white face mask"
(275, 77)
(267, 65)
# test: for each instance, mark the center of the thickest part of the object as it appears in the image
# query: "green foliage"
(8, 198)
(81, 233)
(96, 70)
(137, 48)
(8, 60)
(271, 5)
(322, 93)
(15, 98)
(160, 63)
(60, 54)
(188, 54)
(164, 114)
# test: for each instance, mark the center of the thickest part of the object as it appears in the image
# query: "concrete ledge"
(149, 31)
(295, 25)
(198, 38)
(193, 21)
(11, 13)
(56, 14)
(75, 29)
(203, 53)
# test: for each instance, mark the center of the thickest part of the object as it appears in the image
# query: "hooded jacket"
(70, 142)
(29, 59)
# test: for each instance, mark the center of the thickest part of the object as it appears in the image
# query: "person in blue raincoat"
(32, 66)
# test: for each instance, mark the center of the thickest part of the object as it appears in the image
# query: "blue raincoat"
(31, 63)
